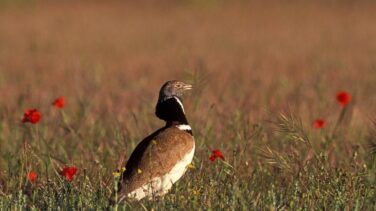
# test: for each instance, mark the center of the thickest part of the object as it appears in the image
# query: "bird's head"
(173, 89)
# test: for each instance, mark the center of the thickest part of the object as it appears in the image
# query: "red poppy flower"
(319, 123)
(343, 98)
(68, 172)
(59, 102)
(216, 154)
(32, 176)
(32, 115)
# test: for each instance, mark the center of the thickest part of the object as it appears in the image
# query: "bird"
(161, 158)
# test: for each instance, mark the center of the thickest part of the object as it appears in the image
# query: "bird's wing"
(155, 156)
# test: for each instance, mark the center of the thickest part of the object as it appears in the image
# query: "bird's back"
(157, 162)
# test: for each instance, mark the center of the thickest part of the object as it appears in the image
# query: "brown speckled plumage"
(155, 156)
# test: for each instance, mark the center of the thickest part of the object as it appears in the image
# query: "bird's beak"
(187, 87)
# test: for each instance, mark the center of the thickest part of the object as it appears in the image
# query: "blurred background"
(246, 54)
(247, 58)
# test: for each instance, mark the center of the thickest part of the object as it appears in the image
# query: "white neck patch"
(180, 103)
(184, 127)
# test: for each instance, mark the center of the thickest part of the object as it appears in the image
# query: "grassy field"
(262, 73)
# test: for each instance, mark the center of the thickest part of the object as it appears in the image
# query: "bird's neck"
(171, 110)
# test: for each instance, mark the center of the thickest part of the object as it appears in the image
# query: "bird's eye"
(178, 85)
